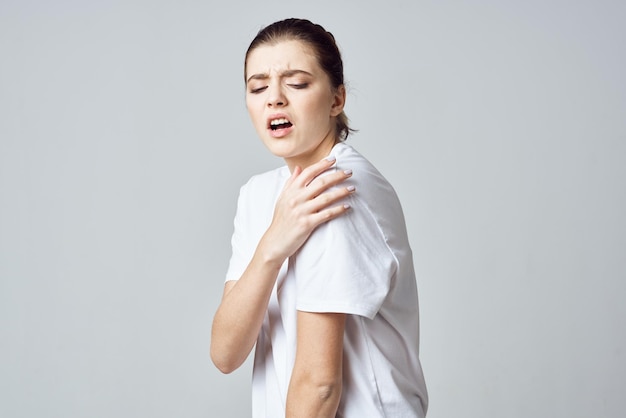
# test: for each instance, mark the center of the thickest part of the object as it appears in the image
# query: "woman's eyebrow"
(290, 73)
(286, 73)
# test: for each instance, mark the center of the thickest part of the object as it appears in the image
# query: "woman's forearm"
(239, 317)
(316, 379)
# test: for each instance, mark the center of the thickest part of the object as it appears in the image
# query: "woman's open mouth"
(279, 127)
(280, 123)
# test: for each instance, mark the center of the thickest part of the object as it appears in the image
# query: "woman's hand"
(305, 202)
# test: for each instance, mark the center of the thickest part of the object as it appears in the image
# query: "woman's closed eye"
(255, 90)
(299, 85)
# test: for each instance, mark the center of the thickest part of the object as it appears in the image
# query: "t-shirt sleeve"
(345, 266)
(240, 256)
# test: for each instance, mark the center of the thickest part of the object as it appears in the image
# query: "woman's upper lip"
(275, 116)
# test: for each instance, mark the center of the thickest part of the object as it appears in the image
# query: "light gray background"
(124, 140)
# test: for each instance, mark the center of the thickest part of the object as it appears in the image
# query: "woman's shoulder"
(375, 201)
(346, 152)
(365, 174)
(348, 155)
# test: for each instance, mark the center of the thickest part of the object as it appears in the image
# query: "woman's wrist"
(268, 255)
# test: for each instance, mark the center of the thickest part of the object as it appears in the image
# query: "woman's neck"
(313, 156)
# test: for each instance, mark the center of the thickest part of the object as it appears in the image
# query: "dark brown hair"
(323, 45)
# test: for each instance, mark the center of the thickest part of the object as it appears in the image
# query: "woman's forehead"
(282, 56)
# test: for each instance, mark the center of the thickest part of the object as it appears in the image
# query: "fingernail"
(346, 206)
(347, 172)
(351, 188)
(331, 158)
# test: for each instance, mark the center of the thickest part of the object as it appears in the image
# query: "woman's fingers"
(312, 191)
(307, 200)
(297, 170)
(328, 214)
(325, 182)
(311, 183)
(311, 172)
(326, 199)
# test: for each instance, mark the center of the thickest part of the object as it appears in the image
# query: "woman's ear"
(339, 100)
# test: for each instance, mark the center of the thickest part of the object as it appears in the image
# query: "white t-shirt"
(359, 264)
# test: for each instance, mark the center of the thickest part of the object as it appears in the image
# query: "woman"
(321, 276)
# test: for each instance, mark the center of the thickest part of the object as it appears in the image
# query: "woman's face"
(291, 102)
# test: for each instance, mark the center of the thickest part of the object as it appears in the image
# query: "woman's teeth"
(279, 123)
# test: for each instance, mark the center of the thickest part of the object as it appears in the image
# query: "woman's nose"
(276, 96)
